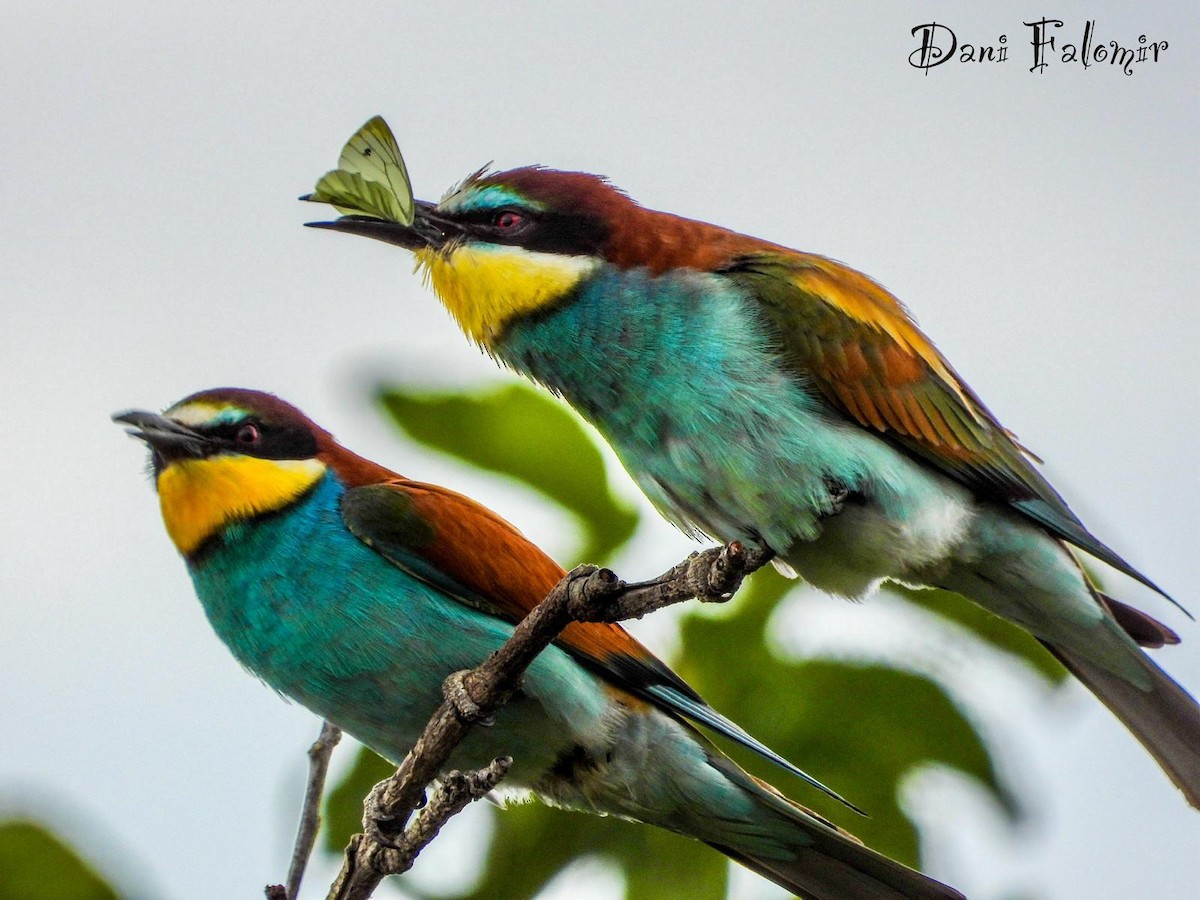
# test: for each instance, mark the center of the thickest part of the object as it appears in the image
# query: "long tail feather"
(658, 769)
(817, 874)
(1142, 627)
(812, 857)
(1164, 718)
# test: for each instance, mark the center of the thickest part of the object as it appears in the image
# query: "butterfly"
(371, 178)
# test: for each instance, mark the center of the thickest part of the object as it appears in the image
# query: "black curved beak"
(167, 438)
(428, 230)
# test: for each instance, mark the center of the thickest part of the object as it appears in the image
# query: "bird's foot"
(379, 826)
(458, 694)
(841, 495)
(714, 575)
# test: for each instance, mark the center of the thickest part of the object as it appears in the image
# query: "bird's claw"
(458, 694)
(377, 825)
(841, 495)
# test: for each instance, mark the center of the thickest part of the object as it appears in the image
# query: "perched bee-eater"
(356, 592)
(779, 398)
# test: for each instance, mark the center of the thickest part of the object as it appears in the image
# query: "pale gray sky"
(1043, 228)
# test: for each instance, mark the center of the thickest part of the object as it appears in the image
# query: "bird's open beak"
(167, 438)
(428, 230)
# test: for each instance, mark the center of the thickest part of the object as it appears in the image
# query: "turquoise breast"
(323, 619)
(683, 377)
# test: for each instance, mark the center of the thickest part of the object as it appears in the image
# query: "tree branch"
(310, 813)
(586, 594)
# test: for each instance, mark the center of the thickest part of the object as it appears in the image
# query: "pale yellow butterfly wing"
(352, 195)
(371, 178)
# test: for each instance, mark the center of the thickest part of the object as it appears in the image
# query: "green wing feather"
(855, 343)
(371, 178)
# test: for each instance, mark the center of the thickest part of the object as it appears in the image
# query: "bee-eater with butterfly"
(356, 592)
(779, 398)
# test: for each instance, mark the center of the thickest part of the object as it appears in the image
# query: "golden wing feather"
(854, 342)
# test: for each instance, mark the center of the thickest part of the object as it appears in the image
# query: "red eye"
(248, 434)
(509, 220)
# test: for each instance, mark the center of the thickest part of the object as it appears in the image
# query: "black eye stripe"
(567, 234)
(486, 218)
(224, 431)
(274, 441)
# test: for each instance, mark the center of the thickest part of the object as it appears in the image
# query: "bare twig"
(587, 594)
(455, 790)
(310, 814)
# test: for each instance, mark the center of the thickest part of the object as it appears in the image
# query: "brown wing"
(469, 552)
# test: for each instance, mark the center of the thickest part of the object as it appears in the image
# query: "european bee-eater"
(356, 592)
(782, 399)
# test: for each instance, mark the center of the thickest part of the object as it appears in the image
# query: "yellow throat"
(200, 496)
(486, 286)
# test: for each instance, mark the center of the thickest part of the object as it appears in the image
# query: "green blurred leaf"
(655, 863)
(36, 865)
(523, 434)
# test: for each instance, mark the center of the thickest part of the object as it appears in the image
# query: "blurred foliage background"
(861, 726)
(37, 865)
